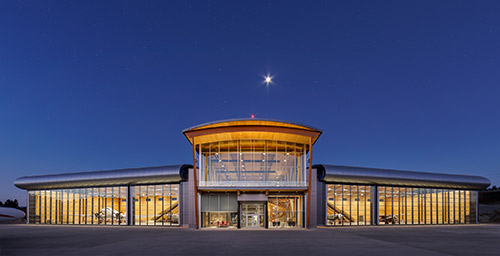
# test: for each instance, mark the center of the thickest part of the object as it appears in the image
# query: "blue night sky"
(94, 85)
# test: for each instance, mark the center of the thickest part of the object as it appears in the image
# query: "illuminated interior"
(253, 214)
(405, 205)
(252, 163)
(156, 205)
(351, 205)
(348, 205)
(219, 210)
(102, 206)
(152, 205)
(285, 211)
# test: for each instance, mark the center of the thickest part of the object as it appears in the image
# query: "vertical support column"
(27, 206)
(324, 202)
(180, 206)
(130, 208)
(477, 207)
(313, 222)
(239, 214)
(266, 216)
(374, 202)
(309, 185)
(195, 185)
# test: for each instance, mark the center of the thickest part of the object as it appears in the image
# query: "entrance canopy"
(252, 198)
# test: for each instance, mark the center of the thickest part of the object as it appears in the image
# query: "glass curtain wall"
(219, 211)
(406, 205)
(348, 205)
(285, 211)
(252, 163)
(105, 205)
(156, 205)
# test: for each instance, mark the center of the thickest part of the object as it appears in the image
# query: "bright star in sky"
(268, 79)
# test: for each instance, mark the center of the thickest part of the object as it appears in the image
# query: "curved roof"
(131, 176)
(375, 176)
(250, 128)
(250, 121)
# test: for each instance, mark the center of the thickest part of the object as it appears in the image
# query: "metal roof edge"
(392, 176)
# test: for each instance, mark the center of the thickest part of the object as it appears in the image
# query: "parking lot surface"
(24, 239)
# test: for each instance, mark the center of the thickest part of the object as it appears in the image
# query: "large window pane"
(382, 209)
(105, 205)
(399, 205)
(284, 211)
(252, 163)
(473, 210)
(440, 211)
(155, 204)
(456, 203)
(219, 210)
(348, 205)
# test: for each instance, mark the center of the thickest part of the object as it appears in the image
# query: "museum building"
(252, 173)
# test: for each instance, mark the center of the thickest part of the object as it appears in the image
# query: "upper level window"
(252, 163)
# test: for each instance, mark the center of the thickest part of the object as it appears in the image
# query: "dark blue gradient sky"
(94, 85)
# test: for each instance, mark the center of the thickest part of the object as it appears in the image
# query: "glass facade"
(152, 205)
(156, 204)
(348, 205)
(105, 206)
(406, 205)
(285, 211)
(352, 205)
(219, 210)
(252, 163)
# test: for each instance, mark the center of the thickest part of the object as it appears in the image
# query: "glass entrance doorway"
(252, 215)
(252, 221)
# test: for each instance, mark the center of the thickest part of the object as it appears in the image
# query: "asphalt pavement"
(22, 239)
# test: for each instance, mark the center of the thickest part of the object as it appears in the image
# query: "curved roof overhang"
(375, 176)
(261, 129)
(119, 177)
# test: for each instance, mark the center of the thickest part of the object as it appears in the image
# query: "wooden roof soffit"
(253, 129)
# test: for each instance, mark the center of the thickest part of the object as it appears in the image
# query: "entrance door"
(253, 221)
(252, 215)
